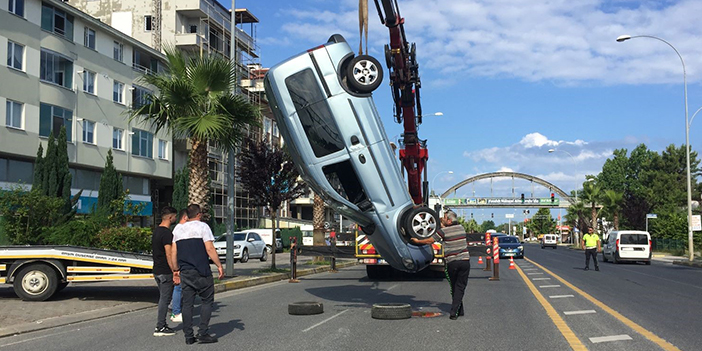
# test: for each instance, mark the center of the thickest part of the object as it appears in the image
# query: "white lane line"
(610, 338)
(540, 278)
(40, 337)
(530, 269)
(324, 321)
(533, 273)
(559, 296)
(570, 313)
(549, 286)
(388, 289)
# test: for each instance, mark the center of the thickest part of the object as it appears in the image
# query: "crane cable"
(362, 24)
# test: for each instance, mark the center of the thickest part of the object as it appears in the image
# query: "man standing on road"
(592, 244)
(194, 244)
(456, 256)
(164, 266)
(176, 316)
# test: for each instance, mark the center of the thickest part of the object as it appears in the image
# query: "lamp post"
(433, 179)
(572, 158)
(622, 38)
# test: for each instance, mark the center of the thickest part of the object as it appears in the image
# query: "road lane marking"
(571, 313)
(610, 338)
(540, 278)
(324, 321)
(549, 286)
(665, 345)
(534, 273)
(40, 337)
(531, 269)
(560, 296)
(556, 318)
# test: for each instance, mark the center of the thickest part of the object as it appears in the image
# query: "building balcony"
(190, 41)
(205, 8)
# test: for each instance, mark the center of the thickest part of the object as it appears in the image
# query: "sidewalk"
(88, 301)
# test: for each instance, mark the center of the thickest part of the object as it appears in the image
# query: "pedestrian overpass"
(563, 200)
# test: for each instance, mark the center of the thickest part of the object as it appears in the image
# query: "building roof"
(245, 16)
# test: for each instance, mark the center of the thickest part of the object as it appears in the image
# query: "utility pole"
(231, 160)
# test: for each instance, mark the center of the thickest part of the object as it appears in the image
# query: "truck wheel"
(305, 308)
(391, 311)
(36, 282)
(421, 222)
(364, 74)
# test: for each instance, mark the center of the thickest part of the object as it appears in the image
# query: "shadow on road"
(354, 296)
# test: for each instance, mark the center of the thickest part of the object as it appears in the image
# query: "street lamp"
(572, 158)
(433, 179)
(433, 114)
(622, 38)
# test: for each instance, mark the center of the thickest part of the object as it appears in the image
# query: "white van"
(549, 240)
(307, 234)
(627, 245)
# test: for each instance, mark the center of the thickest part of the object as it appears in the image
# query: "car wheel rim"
(365, 72)
(35, 282)
(424, 224)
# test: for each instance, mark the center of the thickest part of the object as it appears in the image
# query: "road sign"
(327, 225)
(509, 215)
(696, 223)
(651, 215)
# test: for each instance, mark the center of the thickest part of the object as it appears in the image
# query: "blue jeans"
(177, 293)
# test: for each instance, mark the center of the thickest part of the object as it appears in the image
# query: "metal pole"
(231, 179)
(646, 223)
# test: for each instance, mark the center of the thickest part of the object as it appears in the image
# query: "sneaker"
(206, 339)
(177, 318)
(453, 317)
(165, 331)
(190, 341)
(587, 268)
(597, 269)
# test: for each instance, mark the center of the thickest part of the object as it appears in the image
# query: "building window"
(51, 118)
(15, 55)
(56, 69)
(162, 148)
(193, 29)
(13, 115)
(148, 23)
(89, 82)
(88, 131)
(118, 92)
(17, 7)
(56, 21)
(117, 137)
(118, 51)
(143, 143)
(140, 96)
(89, 38)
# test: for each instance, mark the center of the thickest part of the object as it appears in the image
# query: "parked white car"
(627, 245)
(247, 245)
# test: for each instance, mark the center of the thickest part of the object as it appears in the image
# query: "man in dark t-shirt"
(164, 266)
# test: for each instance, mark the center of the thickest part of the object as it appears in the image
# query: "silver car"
(322, 103)
(246, 245)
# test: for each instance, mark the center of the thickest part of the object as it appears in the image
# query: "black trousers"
(195, 284)
(588, 253)
(457, 273)
(165, 290)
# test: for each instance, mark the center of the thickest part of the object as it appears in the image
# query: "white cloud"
(536, 140)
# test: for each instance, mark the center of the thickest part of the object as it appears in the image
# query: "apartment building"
(62, 67)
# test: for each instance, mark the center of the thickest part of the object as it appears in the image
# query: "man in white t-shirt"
(194, 244)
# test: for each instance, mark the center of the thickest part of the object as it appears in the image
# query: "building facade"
(62, 67)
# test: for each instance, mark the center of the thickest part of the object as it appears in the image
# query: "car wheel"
(245, 256)
(269, 249)
(305, 308)
(36, 282)
(604, 258)
(555, 247)
(648, 263)
(264, 256)
(391, 311)
(364, 74)
(616, 258)
(421, 222)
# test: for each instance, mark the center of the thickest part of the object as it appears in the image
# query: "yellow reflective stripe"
(97, 269)
(82, 259)
(2, 267)
(2, 280)
(109, 277)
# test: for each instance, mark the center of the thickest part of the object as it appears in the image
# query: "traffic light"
(552, 198)
(471, 215)
(492, 215)
(522, 198)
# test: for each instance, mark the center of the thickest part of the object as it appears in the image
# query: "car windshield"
(508, 240)
(237, 237)
(633, 239)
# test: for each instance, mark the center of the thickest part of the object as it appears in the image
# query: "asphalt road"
(662, 298)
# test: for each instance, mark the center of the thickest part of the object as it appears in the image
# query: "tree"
(38, 180)
(181, 180)
(56, 176)
(195, 102)
(487, 225)
(270, 177)
(592, 194)
(576, 215)
(542, 223)
(612, 202)
(318, 208)
(111, 187)
(470, 226)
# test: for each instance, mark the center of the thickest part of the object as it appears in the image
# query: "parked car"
(322, 103)
(549, 240)
(246, 245)
(627, 245)
(510, 246)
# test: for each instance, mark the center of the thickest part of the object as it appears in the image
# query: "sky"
(515, 78)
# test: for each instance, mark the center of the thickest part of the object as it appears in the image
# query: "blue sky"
(515, 78)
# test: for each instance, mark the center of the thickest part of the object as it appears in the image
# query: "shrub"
(131, 239)
(78, 232)
(285, 235)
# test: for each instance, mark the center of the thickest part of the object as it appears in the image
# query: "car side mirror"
(251, 240)
(522, 242)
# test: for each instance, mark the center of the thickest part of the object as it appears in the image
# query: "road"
(521, 311)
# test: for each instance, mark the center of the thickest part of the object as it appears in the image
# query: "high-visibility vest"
(591, 240)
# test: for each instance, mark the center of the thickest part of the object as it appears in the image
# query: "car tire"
(391, 311)
(604, 258)
(305, 308)
(555, 247)
(364, 74)
(421, 222)
(264, 255)
(269, 249)
(245, 256)
(36, 282)
(615, 259)
(648, 263)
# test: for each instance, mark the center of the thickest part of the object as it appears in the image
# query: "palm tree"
(318, 220)
(613, 202)
(195, 102)
(592, 194)
(575, 215)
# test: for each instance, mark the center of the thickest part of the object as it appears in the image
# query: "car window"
(508, 240)
(237, 237)
(314, 113)
(343, 178)
(634, 239)
(475, 237)
(256, 236)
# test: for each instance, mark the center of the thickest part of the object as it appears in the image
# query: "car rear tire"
(245, 256)
(615, 259)
(264, 255)
(305, 308)
(36, 282)
(364, 74)
(391, 311)
(604, 258)
(421, 222)
(648, 263)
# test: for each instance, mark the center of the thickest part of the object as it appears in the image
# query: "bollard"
(333, 258)
(488, 242)
(495, 260)
(293, 260)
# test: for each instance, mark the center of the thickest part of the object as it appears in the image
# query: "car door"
(259, 245)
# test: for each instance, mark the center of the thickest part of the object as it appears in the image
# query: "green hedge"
(131, 239)
(285, 235)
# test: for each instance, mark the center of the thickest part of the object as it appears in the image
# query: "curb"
(60, 321)
(696, 264)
